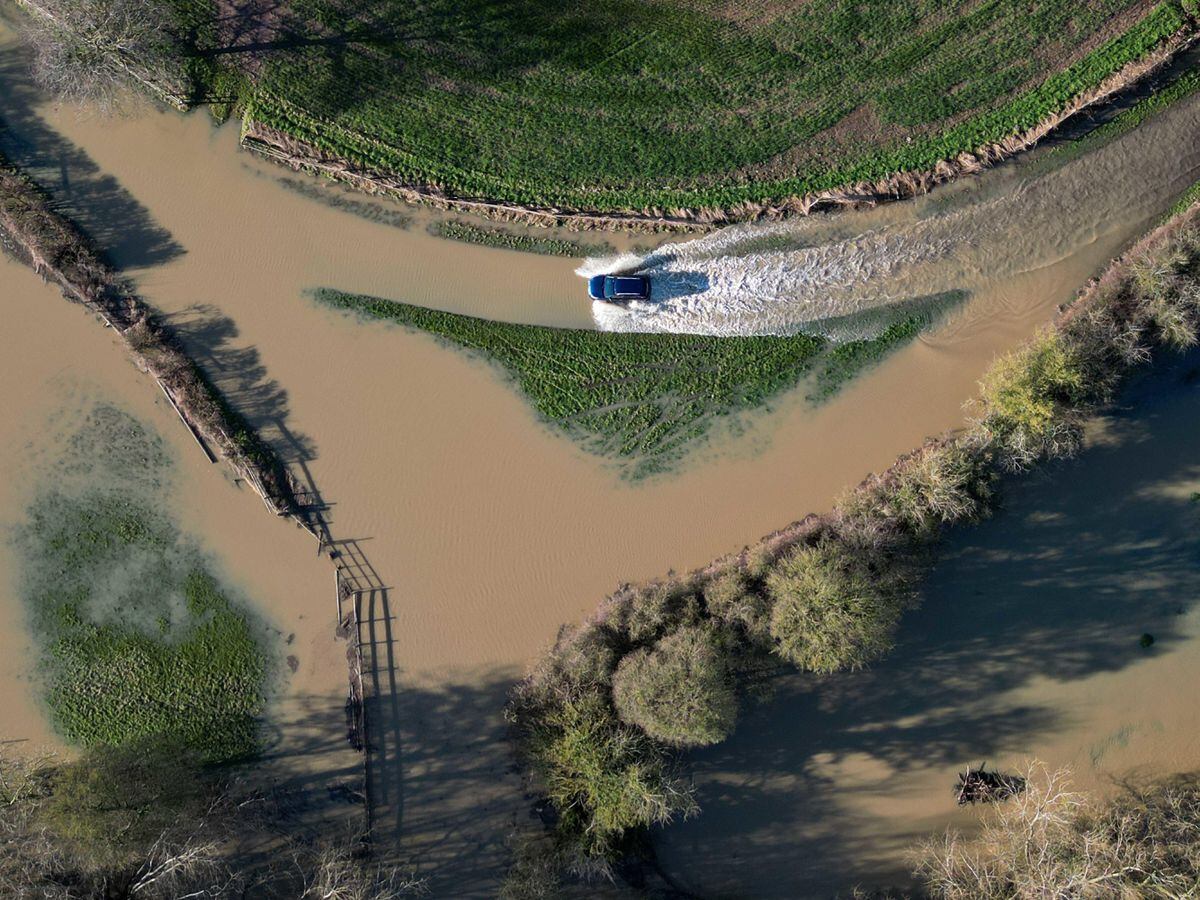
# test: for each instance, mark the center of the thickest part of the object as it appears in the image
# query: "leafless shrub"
(340, 871)
(1054, 842)
(90, 50)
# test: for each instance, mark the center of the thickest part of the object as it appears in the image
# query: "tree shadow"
(353, 53)
(210, 338)
(122, 228)
(1084, 558)
(444, 785)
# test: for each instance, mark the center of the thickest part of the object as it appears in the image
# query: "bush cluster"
(665, 666)
(679, 691)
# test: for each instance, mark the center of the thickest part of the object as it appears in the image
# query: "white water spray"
(796, 275)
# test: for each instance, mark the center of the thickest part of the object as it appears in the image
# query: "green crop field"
(630, 104)
(643, 399)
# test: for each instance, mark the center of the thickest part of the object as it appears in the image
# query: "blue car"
(619, 288)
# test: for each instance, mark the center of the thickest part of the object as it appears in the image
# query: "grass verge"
(457, 230)
(643, 399)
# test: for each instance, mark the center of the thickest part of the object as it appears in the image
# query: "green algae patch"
(138, 638)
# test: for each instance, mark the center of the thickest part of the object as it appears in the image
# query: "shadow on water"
(671, 285)
(122, 228)
(1082, 560)
(237, 372)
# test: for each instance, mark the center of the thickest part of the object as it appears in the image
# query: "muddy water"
(1026, 646)
(970, 236)
(57, 364)
(487, 529)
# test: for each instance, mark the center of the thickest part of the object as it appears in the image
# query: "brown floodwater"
(488, 529)
(1026, 646)
(56, 364)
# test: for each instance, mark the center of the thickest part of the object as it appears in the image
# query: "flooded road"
(487, 529)
(975, 235)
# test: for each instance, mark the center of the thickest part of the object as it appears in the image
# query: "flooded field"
(66, 365)
(1027, 646)
(486, 529)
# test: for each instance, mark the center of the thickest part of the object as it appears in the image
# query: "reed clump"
(826, 593)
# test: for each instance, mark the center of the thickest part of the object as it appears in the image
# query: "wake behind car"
(619, 288)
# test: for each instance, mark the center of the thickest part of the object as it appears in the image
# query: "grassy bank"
(139, 640)
(1177, 89)
(643, 399)
(660, 667)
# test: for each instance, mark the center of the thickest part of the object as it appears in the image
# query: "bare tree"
(91, 50)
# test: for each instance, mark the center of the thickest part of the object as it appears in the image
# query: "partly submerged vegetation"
(139, 640)
(826, 593)
(1050, 841)
(495, 236)
(642, 397)
(848, 359)
(1185, 84)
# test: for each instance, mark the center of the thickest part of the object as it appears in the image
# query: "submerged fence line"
(33, 231)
